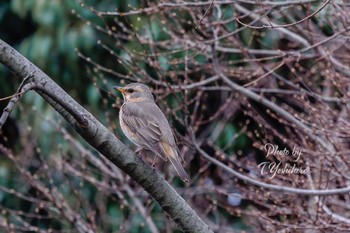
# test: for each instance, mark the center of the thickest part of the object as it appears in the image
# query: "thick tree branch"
(105, 142)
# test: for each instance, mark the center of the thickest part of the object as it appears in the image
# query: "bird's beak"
(121, 89)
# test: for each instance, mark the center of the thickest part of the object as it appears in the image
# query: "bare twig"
(205, 14)
(23, 88)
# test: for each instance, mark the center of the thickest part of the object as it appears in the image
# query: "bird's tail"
(178, 167)
(175, 160)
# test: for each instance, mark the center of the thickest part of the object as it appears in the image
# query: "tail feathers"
(171, 153)
(178, 167)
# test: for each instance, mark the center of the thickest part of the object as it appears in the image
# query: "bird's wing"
(144, 125)
(151, 127)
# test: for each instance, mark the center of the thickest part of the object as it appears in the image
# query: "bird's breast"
(126, 129)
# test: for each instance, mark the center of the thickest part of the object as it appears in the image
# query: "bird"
(146, 126)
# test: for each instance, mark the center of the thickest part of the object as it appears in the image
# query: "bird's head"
(135, 92)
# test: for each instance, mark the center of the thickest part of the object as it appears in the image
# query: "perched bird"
(145, 125)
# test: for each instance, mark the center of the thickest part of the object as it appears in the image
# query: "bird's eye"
(130, 90)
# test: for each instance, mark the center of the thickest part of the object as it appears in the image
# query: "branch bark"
(105, 142)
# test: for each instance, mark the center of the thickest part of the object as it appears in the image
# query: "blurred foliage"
(47, 33)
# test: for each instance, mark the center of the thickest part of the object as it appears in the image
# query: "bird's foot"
(154, 161)
(139, 151)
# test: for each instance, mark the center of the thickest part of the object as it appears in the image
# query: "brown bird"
(145, 125)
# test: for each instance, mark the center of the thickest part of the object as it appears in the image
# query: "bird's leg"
(155, 160)
(139, 151)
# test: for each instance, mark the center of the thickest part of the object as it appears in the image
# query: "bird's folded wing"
(145, 128)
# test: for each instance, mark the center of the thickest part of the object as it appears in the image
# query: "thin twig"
(23, 88)
(284, 25)
(11, 96)
(205, 14)
(266, 185)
